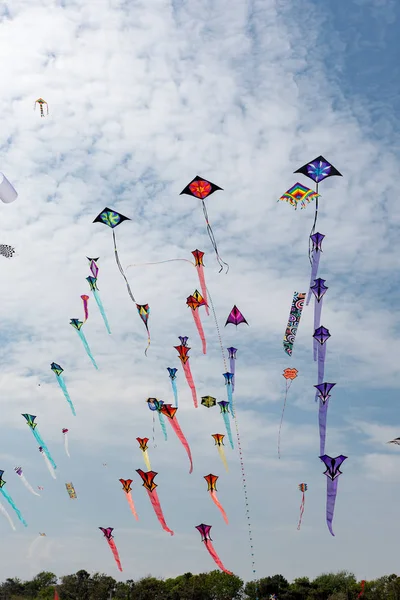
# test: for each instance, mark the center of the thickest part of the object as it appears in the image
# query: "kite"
(71, 490)
(228, 382)
(110, 540)
(323, 394)
(7, 195)
(155, 405)
(41, 102)
(169, 411)
(224, 406)
(30, 420)
(208, 401)
(303, 488)
(194, 302)
(289, 375)
(65, 432)
(235, 317)
(395, 441)
(172, 375)
(219, 442)
(77, 325)
(24, 480)
(150, 486)
(232, 360)
(85, 300)
(204, 531)
(299, 194)
(201, 188)
(321, 335)
(316, 239)
(318, 289)
(92, 281)
(332, 473)
(48, 463)
(144, 313)
(143, 446)
(10, 501)
(212, 488)
(293, 322)
(58, 370)
(112, 219)
(94, 269)
(126, 486)
(198, 257)
(7, 251)
(183, 351)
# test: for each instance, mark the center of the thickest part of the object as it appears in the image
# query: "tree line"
(205, 586)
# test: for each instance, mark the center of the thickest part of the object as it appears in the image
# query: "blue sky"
(142, 98)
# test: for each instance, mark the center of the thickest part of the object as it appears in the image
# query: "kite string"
(160, 262)
(121, 269)
(218, 330)
(213, 240)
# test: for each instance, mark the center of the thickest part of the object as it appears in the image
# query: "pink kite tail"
(176, 427)
(196, 317)
(218, 503)
(200, 271)
(157, 509)
(215, 556)
(189, 379)
(301, 511)
(114, 550)
(85, 300)
(132, 505)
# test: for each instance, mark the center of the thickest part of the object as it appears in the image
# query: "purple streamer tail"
(331, 491)
(317, 323)
(232, 370)
(314, 272)
(321, 365)
(323, 413)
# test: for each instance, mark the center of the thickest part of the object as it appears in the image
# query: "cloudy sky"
(143, 96)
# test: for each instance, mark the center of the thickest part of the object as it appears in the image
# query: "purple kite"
(316, 239)
(318, 289)
(232, 359)
(229, 389)
(324, 395)
(332, 473)
(321, 335)
(235, 317)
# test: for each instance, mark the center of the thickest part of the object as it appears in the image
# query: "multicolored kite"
(183, 351)
(204, 531)
(299, 194)
(77, 325)
(92, 281)
(41, 102)
(172, 375)
(58, 370)
(194, 302)
(208, 401)
(150, 486)
(332, 473)
(110, 540)
(321, 335)
(169, 411)
(144, 314)
(65, 433)
(144, 447)
(323, 394)
(201, 188)
(293, 322)
(10, 501)
(289, 375)
(155, 406)
(198, 257)
(232, 360)
(224, 406)
(212, 488)
(219, 442)
(126, 486)
(30, 420)
(71, 490)
(24, 480)
(235, 317)
(303, 488)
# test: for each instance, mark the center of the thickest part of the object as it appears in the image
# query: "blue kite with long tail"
(10, 500)
(172, 375)
(58, 370)
(224, 406)
(30, 419)
(92, 281)
(155, 405)
(77, 325)
(229, 389)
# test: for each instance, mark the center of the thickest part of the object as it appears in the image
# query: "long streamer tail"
(223, 457)
(216, 558)
(232, 370)
(85, 307)
(219, 505)
(229, 392)
(101, 309)
(228, 428)
(7, 516)
(146, 459)
(301, 511)
(283, 412)
(114, 550)
(175, 390)
(86, 346)
(45, 448)
(183, 440)
(13, 506)
(331, 491)
(202, 280)
(196, 317)
(128, 287)
(132, 505)
(66, 446)
(163, 426)
(62, 385)
(28, 485)
(213, 240)
(189, 379)
(148, 339)
(157, 509)
(49, 466)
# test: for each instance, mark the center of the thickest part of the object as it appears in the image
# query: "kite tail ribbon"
(49, 465)
(303, 500)
(85, 306)
(45, 448)
(114, 550)
(62, 385)
(229, 392)
(315, 256)
(202, 280)
(101, 309)
(86, 346)
(176, 427)
(121, 269)
(323, 412)
(321, 351)
(12, 504)
(215, 556)
(175, 390)
(213, 240)
(223, 457)
(232, 370)
(189, 379)
(317, 323)
(7, 516)
(196, 317)
(157, 509)
(146, 459)
(66, 445)
(288, 384)
(163, 426)
(219, 505)
(131, 505)
(28, 485)
(331, 491)
(228, 428)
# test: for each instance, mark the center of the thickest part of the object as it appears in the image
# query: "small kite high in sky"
(321, 335)
(315, 255)
(232, 360)
(58, 370)
(208, 401)
(71, 490)
(204, 531)
(194, 302)
(183, 351)
(235, 317)
(172, 375)
(224, 406)
(155, 406)
(7, 191)
(303, 488)
(198, 257)
(144, 448)
(41, 103)
(212, 488)
(201, 188)
(150, 486)
(30, 420)
(219, 442)
(229, 389)
(299, 194)
(77, 325)
(289, 375)
(323, 390)
(319, 289)
(126, 486)
(332, 473)
(92, 281)
(24, 480)
(10, 501)
(293, 322)
(395, 441)
(107, 531)
(169, 411)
